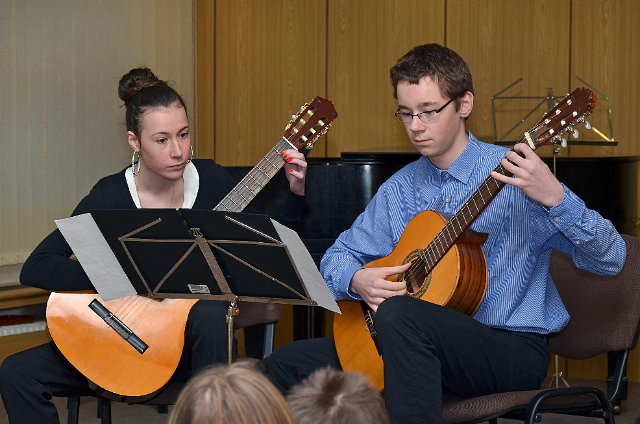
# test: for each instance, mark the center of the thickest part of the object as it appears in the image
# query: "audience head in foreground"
(337, 397)
(230, 394)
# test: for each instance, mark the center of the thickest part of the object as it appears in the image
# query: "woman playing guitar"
(163, 174)
(499, 342)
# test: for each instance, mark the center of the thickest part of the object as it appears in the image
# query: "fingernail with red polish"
(291, 171)
(289, 160)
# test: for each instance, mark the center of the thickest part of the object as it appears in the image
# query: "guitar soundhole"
(416, 277)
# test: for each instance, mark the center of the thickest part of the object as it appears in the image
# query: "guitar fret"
(430, 253)
(272, 164)
(485, 186)
(286, 145)
(439, 246)
(464, 217)
(244, 198)
(223, 205)
(423, 259)
(234, 202)
(448, 230)
(475, 204)
(256, 181)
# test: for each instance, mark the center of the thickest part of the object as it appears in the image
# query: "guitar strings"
(128, 307)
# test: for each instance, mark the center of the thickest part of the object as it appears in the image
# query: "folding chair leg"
(617, 383)
(104, 406)
(269, 335)
(73, 409)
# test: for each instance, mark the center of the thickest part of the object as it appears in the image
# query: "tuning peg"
(563, 142)
(587, 125)
(575, 133)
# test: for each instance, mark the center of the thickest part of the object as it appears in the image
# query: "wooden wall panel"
(365, 39)
(503, 41)
(270, 58)
(605, 52)
(203, 119)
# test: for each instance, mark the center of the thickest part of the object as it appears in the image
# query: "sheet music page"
(95, 256)
(311, 277)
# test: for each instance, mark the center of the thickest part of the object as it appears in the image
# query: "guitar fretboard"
(458, 224)
(255, 180)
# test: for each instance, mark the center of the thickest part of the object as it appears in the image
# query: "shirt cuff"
(568, 212)
(345, 283)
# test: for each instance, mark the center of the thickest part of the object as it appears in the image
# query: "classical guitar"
(448, 266)
(136, 356)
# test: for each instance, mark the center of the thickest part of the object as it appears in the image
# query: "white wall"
(61, 124)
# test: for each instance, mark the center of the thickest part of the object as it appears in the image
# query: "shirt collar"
(462, 168)
(191, 184)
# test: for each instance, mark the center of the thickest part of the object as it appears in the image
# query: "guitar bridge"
(118, 326)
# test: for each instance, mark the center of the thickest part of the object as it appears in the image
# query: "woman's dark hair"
(141, 90)
(440, 63)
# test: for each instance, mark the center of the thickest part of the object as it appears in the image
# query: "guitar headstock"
(312, 122)
(570, 111)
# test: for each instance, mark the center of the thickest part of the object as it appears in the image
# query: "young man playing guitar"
(163, 174)
(499, 344)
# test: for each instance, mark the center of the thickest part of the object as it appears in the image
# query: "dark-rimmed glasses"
(426, 116)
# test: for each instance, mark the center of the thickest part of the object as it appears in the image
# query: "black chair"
(250, 314)
(605, 318)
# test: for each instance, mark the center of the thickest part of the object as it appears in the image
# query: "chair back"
(252, 313)
(604, 310)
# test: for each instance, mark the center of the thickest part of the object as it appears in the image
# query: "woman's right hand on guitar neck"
(372, 286)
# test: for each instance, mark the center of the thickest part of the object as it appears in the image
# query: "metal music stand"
(211, 255)
(595, 136)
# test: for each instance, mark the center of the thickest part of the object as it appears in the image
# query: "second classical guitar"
(448, 266)
(99, 343)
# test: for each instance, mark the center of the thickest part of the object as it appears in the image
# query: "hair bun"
(135, 81)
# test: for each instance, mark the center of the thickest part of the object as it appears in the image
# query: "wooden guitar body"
(458, 281)
(106, 358)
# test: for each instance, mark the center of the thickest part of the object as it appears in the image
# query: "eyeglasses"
(426, 116)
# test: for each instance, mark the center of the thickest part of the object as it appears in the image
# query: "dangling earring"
(135, 161)
(190, 156)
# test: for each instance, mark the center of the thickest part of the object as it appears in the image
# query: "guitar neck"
(255, 180)
(458, 224)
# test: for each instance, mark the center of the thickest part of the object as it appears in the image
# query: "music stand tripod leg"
(232, 312)
(558, 375)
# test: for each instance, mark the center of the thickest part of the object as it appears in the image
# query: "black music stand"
(229, 256)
